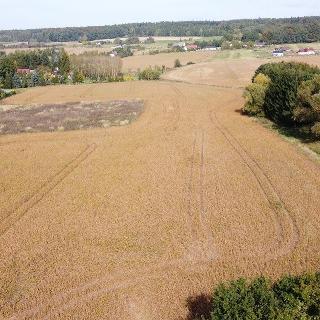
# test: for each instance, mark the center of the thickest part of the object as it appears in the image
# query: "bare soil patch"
(68, 116)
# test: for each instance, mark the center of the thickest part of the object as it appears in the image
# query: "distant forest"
(272, 31)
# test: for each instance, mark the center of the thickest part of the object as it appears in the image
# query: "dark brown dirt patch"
(68, 116)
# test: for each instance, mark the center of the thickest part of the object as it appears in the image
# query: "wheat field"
(128, 222)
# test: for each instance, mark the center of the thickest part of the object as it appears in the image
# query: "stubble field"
(129, 222)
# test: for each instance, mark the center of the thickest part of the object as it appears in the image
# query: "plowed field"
(128, 222)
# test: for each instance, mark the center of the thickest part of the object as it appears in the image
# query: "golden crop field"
(129, 222)
(164, 59)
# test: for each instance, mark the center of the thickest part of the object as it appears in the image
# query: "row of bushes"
(6, 93)
(290, 298)
(151, 73)
(288, 93)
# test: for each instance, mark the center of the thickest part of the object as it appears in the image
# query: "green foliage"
(240, 300)
(307, 110)
(281, 95)
(255, 95)
(209, 43)
(77, 76)
(133, 40)
(42, 65)
(177, 63)
(292, 297)
(289, 30)
(6, 93)
(16, 81)
(64, 64)
(124, 52)
(149, 40)
(150, 73)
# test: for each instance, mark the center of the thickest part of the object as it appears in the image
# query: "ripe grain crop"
(128, 222)
(164, 59)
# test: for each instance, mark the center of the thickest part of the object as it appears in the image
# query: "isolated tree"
(177, 63)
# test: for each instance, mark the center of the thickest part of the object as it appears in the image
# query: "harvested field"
(233, 73)
(69, 116)
(128, 222)
(167, 59)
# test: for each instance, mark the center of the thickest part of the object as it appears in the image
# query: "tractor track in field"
(205, 84)
(12, 218)
(189, 192)
(200, 236)
(282, 216)
(196, 210)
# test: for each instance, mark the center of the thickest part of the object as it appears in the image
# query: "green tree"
(255, 95)
(77, 76)
(64, 63)
(35, 79)
(281, 95)
(177, 63)
(16, 81)
(8, 81)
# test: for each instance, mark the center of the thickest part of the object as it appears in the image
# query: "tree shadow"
(199, 307)
(239, 111)
(302, 134)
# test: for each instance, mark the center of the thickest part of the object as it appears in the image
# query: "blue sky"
(21, 14)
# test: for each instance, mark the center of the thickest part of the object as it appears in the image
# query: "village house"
(192, 47)
(306, 52)
(24, 70)
(278, 53)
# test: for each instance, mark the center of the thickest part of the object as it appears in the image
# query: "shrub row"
(292, 297)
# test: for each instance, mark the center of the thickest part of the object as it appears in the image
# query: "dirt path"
(137, 219)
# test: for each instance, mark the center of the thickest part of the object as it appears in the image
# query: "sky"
(22, 14)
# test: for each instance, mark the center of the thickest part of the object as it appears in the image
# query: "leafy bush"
(6, 93)
(150, 73)
(292, 297)
(129, 77)
(255, 95)
(154, 52)
(177, 63)
(77, 76)
(307, 110)
(281, 95)
(124, 52)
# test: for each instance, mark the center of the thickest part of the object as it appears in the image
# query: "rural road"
(128, 222)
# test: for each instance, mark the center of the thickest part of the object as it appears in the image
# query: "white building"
(277, 53)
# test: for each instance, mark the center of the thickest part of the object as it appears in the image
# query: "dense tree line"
(286, 30)
(292, 297)
(288, 93)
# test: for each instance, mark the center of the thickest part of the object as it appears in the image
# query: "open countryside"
(124, 196)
